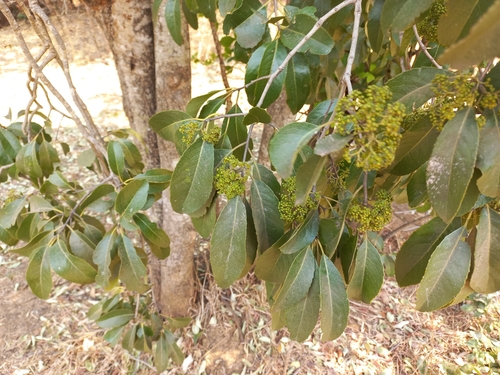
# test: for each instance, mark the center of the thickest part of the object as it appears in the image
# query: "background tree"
(385, 119)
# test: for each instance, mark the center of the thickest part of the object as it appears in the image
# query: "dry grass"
(230, 330)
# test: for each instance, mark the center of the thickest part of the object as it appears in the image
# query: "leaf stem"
(424, 48)
(247, 142)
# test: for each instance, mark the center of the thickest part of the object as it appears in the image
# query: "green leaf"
(305, 233)
(320, 43)
(249, 23)
(27, 161)
(266, 217)
(173, 19)
(297, 282)
(212, 106)
(401, 14)
(191, 17)
(115, 318)
(273, 265)
(161, 355)
(86, 158)
(412, 259)
(10, 212)
(129, 338)
(333, 298)
(132, 270)
(113, 335)
(331, 229)
(38, 273)
(347, 254)
(81, 246)
(70, 267)
(257, 114)
(287, 143)
(368, 274)
(415, 147)
(261, 173)
(207, 8)
(28, 227)
(48, 157)
(451, 165)
(173, 349)
(131, 198)
(332, 143)
(298, 83)
(102, 257)
(151, 231)
(479, 45)
(488, 157)
(486, 275)
(227, 6)
(302, 317)
(446, 273)
(167, 123)
(38, 204)
(116, 159)
(191, 184)
(413, 87)
(40, 240)
(10, 143)
(236, 131)
(263, 62)
(204, 224)
(228, 243)
(307, 176)
(373, 28)
(459, 17)
(322, 112)
(97, 194)
(417, 187)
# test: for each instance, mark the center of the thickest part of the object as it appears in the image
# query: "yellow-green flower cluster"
(373, 218)
(336, 177)
(212, 135)
(429, 25)
(231, 176)
(289, 211)
(375, 124)
(189, 132)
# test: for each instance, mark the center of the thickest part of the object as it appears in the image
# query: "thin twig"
(365, 188)
(6, 167)
(138, 360)
(299, 45)
(346, 77)
(424, 48)
(227, 115)
(222, 64)
(247, 142)
(406, 225)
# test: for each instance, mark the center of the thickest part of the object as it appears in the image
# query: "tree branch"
(308, 36)
(222, 64)
(346, 77)
(424, 48)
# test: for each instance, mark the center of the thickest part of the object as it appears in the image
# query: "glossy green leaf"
(413, 87)
(263, 62)
(161, 355)
(368, 274)
(167, 123)
(98, 193)
(347, 254)
(9, 143)
(417, 187)
(227, 6)
(415, 147)
(114, 335)
(459, 17)
(116, 159)
(305, 233)
(40, 240)
(267, 221)
(132, 270)
(174, 351)
(320, 43)
(173, 19)
(205, 224)
(68, 266)
(261, 173)
(10, 212)
(373, 26)
(488, 157)
(249, 23)
(48, 157)
(332, 143)
(102, 257)
(132, 154)
(208, 8)
(131, 198)
(228, 243)
(251, 242)
(129, 338)
(479, 45)
(412, 259)
(236, 131)
(115, 318)
(27, 161)
(401, 14)
(28, 227)
(38, 274)
(38, 204)
(287, 144)
(452, 162)
(151, 231)
(86, 158)
(297, 282)
(333, 298)
(301, 318)
(486, 275)
(255, 115)
(298, 83)
(192, 179)
(307, 177)
(446, 273)
(273, 265)
(81, 246)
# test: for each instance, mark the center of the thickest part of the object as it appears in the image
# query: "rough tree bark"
(154, 75)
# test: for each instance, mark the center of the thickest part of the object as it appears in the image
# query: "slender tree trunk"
(150, 85)
(175, 274)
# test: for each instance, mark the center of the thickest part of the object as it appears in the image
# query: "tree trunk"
(175, 274)
(149, 86)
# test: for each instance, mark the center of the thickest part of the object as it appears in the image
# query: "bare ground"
(230, 331)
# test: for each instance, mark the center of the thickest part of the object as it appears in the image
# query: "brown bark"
(173, 90)
(281, 116)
